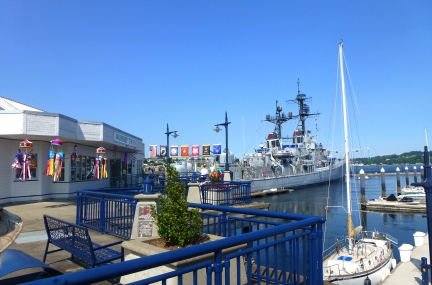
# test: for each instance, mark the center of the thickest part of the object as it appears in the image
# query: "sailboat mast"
(347, 166)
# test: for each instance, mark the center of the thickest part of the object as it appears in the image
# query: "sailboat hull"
(376, 276)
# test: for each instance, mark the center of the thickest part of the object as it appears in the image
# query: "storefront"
(48, 155)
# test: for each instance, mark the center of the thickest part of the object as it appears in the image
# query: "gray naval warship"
(288, 162)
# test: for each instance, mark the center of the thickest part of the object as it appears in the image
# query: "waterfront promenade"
(32, 240)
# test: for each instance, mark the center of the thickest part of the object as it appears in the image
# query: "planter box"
(140, 248)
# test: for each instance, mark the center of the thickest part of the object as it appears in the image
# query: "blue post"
(424, 271)
(148, 186)
(194, 177)
(427, 184)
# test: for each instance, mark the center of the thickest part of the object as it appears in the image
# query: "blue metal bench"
(76, 240)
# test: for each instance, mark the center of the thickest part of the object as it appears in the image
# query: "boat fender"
(367, 281)
(393, 263)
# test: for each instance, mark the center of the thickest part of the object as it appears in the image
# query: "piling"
(398, 188)
(415, 174)
(383, 185)
(406, 177)
(362, 188)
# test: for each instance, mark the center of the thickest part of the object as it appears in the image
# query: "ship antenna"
(298, 85)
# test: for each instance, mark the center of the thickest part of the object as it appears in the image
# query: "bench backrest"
(69, 236)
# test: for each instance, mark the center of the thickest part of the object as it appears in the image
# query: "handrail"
(128, 267)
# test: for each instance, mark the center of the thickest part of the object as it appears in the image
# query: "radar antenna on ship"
(278, 120)
(303, 109)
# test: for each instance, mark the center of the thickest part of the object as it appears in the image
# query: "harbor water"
(330, 202)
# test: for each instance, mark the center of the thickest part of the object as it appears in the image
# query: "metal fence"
(227, 194)
(276, 248)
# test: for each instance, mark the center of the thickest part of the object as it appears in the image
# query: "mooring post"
(427, 185)
(383, 186)
(398, 189)
(406, 177)
(424, 271)
(415, 174)
(362, 190)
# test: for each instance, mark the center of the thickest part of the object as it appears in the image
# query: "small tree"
(176, 224)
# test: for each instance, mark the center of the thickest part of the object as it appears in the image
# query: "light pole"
(227, 175)
(168, 133)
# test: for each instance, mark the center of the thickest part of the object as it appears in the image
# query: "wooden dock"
(394, 206)
(265, 193)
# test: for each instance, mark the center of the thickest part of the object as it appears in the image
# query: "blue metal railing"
(273, 251)
(111, 210)
(228, 194)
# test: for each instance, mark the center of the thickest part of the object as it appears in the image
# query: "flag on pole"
(153, 151)
(195, 150)
(217, 149)
(163, 150)
(206, 150)
(184, 151)
(174, 151)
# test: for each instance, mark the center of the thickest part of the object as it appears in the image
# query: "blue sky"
(138, 65)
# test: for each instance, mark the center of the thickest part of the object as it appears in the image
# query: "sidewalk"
(407, 273)
(32, 239)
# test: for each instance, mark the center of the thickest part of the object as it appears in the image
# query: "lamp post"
(227, 175)
(168, 133)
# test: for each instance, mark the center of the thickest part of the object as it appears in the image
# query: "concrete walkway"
(407, 273)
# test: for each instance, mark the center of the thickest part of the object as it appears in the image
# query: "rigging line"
(354, 96)
(332, 147)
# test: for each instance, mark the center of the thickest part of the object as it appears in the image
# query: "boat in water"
(360, 257)
(292, 161)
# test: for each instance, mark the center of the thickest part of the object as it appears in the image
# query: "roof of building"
(10, 105)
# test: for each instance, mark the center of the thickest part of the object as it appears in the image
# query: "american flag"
(153, 151)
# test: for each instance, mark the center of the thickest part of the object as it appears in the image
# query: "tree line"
(411, 157)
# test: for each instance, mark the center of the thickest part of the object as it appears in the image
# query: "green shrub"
(176, 224)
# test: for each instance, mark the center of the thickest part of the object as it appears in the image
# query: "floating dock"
(394, 206)
(271, 192)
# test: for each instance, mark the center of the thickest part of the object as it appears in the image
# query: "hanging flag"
(206, 150)
(174, 151)
(184, 151)
(153, 151)
(195, 150)
(134, 159)
(217, 149)
(163, 150)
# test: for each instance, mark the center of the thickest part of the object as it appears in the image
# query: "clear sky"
(138, 65)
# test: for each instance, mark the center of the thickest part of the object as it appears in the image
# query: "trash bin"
(419, 238)
(405, 251)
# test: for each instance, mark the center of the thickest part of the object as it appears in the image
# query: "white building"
(80, 139)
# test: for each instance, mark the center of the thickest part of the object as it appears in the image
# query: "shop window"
(31, 166)
(82, 168)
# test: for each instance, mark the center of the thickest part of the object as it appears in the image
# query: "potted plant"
(177, 227)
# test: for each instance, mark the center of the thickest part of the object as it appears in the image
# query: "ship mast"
(278, 120)
(303, 109)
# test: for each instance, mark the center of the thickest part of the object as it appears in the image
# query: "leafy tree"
(176, 224)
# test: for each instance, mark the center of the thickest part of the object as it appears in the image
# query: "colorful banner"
(195, 150)
(206, 150)
(174, 151)
(217, 149)
(184, 151)
(163, 150)
(153, 151)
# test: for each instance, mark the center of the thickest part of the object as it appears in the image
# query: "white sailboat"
(361, 257)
